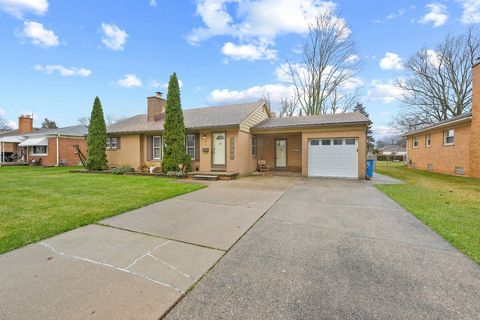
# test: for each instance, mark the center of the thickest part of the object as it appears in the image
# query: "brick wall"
(441, 158)
(475, 129)
(66, 151)
(25, 124)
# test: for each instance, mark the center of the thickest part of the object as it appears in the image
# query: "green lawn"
(36, 203)
(449, 205)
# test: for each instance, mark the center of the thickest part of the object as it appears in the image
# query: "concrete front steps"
(212, 175)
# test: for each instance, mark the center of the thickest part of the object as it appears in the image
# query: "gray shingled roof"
(305, 121)
(66, 131)
(209, 117)
(439, 124)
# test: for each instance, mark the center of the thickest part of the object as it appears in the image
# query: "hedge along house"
(48, 147)
(233, 138)
(451, 146)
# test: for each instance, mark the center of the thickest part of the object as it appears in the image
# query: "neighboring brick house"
(233, 138)
(451, 146)
(50, 147)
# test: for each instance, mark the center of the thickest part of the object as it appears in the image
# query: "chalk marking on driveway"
(112, 267)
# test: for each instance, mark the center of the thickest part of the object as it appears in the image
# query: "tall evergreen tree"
(174, 130)
(370, 139)
(97, 139)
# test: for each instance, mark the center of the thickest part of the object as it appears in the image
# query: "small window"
(190, 145)
(430, 167)
(326, 142)
(232, 148)
(350, 142)
(337, 142)
(254, 146)
(112, 143)
(415, 142)
(314, 142)
(39, 150)
(428, 140)
(459, 171)
(449, 137)
(157, 148)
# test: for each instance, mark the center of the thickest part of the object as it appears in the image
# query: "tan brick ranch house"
(451, 146)
(50, 147)
(233, 138)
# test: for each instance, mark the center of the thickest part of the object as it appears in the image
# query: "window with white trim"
(449, 137)
(428, 140)
(190, 145)
(350, 142)
(415, 142)
(39, 151)
(157, 147)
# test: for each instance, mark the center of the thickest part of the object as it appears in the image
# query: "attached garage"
(332, 145)
(333, 157)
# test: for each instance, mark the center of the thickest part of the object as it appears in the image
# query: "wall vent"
(459, 170)
(430, 167)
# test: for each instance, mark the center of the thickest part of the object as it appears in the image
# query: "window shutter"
(197, 146)
(149, 148)
(118, 142)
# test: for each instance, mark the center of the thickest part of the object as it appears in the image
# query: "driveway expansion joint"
(401, 243)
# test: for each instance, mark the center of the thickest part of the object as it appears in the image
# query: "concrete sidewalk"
(135, 265)
(337, 249)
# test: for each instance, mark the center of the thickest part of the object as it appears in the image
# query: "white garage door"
(333, 158)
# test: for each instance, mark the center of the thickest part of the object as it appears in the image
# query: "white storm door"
(281, 153)
(219, 149)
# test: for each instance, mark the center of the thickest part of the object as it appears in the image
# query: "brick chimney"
(25, 123)
(156, 107)
(475, 128)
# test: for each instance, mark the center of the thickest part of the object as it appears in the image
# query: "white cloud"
(471, 11)
(11, 124)
(164, 85)
(64, 71)
(256, 23)
(39, 35)
(384, 131)
(18, 8)
(397, 14)
(113, 36)
(382, 91)
(352, 58)
(391, 61)
(248, 52)
(437, 14)
(2, 112)
(130, 81)
(153, 3)
(274, 91)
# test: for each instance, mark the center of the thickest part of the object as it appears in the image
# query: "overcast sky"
(56, 56)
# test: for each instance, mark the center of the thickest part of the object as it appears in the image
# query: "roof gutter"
(438, 126)
(298, 126)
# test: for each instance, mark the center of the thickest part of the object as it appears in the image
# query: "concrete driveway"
(138, 264)
(337, 249)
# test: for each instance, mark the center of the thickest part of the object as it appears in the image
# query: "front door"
(281, 153)
(218, 149)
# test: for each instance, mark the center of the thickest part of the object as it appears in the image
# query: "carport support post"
(1, 152)
(58, 159)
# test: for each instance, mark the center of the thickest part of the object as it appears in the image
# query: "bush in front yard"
(174, 131)
(122, 170)
(97, 139)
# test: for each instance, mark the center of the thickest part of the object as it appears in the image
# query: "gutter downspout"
(2, 146)
(58, 158)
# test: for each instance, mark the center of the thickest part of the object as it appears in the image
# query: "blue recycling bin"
(370, 164)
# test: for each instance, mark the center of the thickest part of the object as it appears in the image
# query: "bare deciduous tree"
(288, 106)
(325, 80)
(439, 82)
(4, 124)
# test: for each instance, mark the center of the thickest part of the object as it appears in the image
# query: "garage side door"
(333, 158)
